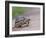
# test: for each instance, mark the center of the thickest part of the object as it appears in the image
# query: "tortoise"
(21, 22)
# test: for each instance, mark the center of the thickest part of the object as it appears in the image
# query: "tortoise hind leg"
(19, 26)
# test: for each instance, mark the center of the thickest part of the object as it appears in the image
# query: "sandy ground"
(34, 24)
